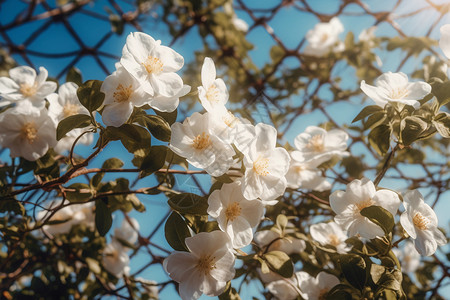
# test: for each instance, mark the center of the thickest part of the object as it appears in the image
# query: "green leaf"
(90, 95)
(74, 75)
(173, 158)
(379, 216)
(354, 269)
(441, 90)
(170, 117)
(277, 53)
(376, 271)
(380, 138)
(158, 127)
(349, 41)
(375, 119)
(117, 23)
(230, 293)
(103, 217)
(93, 265)
(367, 111)
(189, 204)
(411, 128)
(340, 292)
(442, 124)
(82, 192)
(154, 160)
(11, 205)
(176, 231)
(72, 122)
(280, 263)
(112, 163)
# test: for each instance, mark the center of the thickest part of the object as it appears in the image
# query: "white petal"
(388, 200)
(444, 41)
(23, 74)
(7, 85)
(117, 114)
(408, 225)
(372, 92)
(208, 72)
(167, 84)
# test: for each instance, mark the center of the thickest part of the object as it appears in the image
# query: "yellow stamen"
(230, 120)
(29, 132)
(233, 211)
(70, 109)
(212, 94)
(205, 264)
(334, 240)
(398, 93)
(123, 93)
(363, 204)
(201, 141)
(260, 166)
(153, 65)
(315, 144)
(28, 90)
(420, 221)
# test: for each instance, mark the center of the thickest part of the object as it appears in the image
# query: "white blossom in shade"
(153, 65)
(281, 242)
(236, 215)
(150, 287)
(27, 131)
(306, 175)
(324, 38)
(206, 268)
(358, 195)
(122, 93)
(420, 221)
(316, 145)
(444, 41)
(195, 140)
(115, 259)
(288, 288)
(265, 165)
(213, 93)
(24, 84)
(330, 234)
(408, 256)
(127, 232)
(63, 105)
(317, 288)
(394, 88)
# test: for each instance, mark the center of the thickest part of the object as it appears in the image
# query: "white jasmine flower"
(115, 259)
(324, 38)
(63, 105)
(330, 234)
(288, 288)
(265, 165)
(195, 140)
(153, 65)
(316, 145)
(281, 242)
(408, 256)
(25, 85)
(306, 175)
(444, 41)
(395, 88)
(317, 288)
(127, 232)
(361, 194)
(224, 124)
(213, 93)
(420, 222)
(27, 131)
(168, 104)
(206, 269)
(122, 93)
(235, 214)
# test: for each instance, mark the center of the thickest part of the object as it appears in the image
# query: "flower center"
(153, 65)
(315, 144)
(123, 93)
(70, 110)
(233, 211)
(205, 264)
(420, 221)
(260, 166)
(298, 169)
(212, 94)
(363, 204)
(398, 93)
(201, 141)
(28, 90)
(29, 132)
(324, 37)
(230, 120)
(334, 240)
